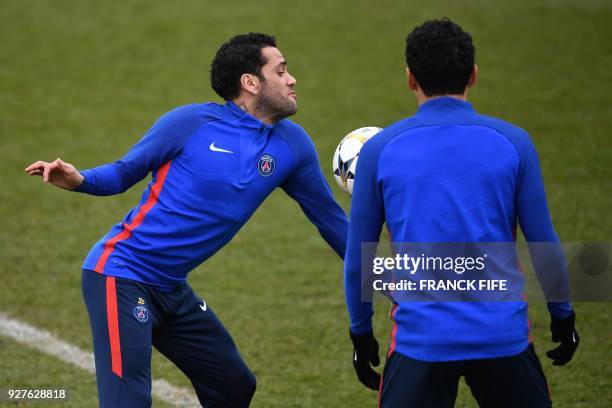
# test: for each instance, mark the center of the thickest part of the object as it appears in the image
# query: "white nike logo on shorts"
(203, 305)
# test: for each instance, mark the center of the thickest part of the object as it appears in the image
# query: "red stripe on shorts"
(113, 325)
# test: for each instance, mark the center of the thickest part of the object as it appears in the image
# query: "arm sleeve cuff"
(560, 310)
(85, 186)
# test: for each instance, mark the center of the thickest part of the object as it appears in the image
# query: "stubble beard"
(275, 107)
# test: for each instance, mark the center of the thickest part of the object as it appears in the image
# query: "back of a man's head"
(240, 55)
(441, 56)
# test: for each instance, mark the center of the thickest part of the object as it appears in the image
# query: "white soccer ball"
(346, 155)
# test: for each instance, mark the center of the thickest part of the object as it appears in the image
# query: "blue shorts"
(503, 382)
(128, 317)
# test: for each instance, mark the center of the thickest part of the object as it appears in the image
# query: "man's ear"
(250, 83)
(473, 77)
(413, 85)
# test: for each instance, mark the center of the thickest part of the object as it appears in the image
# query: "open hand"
(59, 173)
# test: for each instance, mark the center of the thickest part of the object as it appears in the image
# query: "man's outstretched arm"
(163, 141)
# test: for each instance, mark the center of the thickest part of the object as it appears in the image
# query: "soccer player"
(450, 174)
(212, 166)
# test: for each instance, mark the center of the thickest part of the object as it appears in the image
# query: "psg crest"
(141, 313)
(266, 165)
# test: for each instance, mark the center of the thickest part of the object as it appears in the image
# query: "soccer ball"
(346, 155)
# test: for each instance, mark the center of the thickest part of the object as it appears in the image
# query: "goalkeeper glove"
(365, 352)
(563, 331)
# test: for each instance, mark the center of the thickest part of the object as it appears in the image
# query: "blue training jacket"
(212, 165)
(448, 174)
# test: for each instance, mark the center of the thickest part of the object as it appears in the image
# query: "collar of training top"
(445, 103)
(246, 118)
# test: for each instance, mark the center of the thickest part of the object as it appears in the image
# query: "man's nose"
(291, 81)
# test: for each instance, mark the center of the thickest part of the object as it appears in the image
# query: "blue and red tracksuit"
(212, 165)
(448, 174)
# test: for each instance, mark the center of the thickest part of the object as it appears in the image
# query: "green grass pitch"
(83, 80)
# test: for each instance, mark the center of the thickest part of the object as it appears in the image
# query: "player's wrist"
(78, 182)
(361, 339)
(364, 344)
(559, 310)
(80, 179)
(563, 328)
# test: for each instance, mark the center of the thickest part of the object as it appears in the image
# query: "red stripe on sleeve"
(113, 325)
(109, 246)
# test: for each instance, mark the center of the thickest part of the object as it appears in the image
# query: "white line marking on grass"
(49, 344)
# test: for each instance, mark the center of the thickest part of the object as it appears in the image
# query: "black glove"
(365, 352)
(563, 331)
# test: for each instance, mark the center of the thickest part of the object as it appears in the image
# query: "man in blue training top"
(212, 166)
(449, 174)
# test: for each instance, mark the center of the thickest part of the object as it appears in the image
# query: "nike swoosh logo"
(203, 305)
(213, 148)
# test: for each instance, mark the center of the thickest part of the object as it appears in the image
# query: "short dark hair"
(441, 56)
(240, 55)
